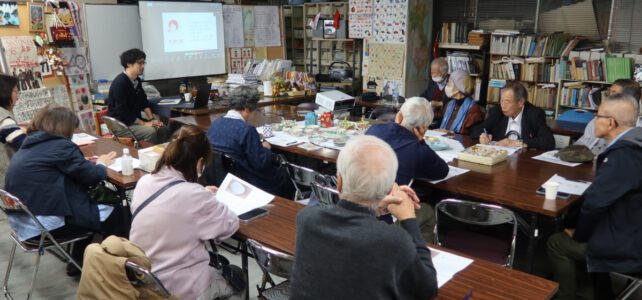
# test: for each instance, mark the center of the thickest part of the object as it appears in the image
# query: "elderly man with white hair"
(436, 89)
(608, 234)
(344, 252)
(406, 137)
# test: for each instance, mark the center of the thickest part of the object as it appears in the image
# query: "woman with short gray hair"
(232, 135)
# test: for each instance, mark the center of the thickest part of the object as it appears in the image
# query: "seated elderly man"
(232, 134)
(343, 252)
(609, 229)
(436, 89)
(515, 122)
(597, 145)
(406, 137)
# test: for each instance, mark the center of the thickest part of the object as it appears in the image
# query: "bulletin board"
(22, 30)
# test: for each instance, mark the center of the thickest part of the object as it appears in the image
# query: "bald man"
(609, 231)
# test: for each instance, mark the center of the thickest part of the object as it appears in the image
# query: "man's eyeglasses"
(607, 117)
(141, 62)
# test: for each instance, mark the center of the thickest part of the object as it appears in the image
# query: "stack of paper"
(447, 265)
(82, 139)
(240, 196)
(551, 158)
(569, 186)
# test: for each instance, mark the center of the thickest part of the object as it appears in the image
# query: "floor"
(53, 283)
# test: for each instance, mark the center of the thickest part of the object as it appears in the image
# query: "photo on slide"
(189, 31)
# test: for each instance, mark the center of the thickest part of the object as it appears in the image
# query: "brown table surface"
(566, 128)
(487, 280)
(104, 146)
(218, 107)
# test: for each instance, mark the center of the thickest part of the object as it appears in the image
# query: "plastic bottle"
(126, 163)
(395, 96)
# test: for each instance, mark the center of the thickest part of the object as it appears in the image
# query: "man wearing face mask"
(515, 122)
(461, 112)
(435, 92)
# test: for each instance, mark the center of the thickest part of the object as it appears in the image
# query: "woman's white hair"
(416, 111)
(368, 168)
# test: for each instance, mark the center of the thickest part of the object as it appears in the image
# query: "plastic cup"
(551, 190)
(188, 97)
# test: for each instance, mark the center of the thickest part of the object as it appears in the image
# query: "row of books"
(582, 96)
(452, 32)
(541, 72)
(596, 66)
(460, 61)
(554, 45)
(506, 68)
(541, 95)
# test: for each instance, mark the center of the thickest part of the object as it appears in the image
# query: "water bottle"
(126, 163)
(395, 96)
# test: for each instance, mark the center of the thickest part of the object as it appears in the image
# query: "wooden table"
(487, 280)
(222, 106)
(104, 146)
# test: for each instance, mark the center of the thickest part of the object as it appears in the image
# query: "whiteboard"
(111, 29)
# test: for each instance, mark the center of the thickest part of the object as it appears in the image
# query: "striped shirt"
(10, 133)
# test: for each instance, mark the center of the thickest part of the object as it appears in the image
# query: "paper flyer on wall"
(240, 196)
(390, 22)
(21, 61)
(31, 101)
(360, 19)
(233, 25)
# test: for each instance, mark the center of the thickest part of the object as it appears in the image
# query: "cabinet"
(337, 50)
(294, 29)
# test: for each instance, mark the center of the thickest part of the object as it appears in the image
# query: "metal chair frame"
(140, 276)
(303, 177)
(633, 283)
(326, 196)
(271, 262)
(112, 123)
(502, 216)
(11, 203)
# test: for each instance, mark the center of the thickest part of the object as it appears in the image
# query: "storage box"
(483, 155)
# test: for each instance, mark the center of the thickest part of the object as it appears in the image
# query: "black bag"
(232, 274)
(576, 154)
(102, 195)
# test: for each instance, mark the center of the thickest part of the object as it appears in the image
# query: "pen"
(468, 295)
(290, 143)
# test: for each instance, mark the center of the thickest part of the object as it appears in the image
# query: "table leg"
(244, 263)
(533, 237)
(127, 215)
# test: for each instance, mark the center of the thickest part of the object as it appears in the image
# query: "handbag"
(234, 275)
(103, 195)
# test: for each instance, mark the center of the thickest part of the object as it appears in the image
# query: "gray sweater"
(344, 252)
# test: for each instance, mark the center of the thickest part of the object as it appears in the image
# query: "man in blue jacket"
(416, 160)
(608, 235)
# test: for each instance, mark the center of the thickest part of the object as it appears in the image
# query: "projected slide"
(182, 39)
(189, 31)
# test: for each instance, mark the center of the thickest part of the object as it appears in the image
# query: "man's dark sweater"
(126, 101)
(343, 252)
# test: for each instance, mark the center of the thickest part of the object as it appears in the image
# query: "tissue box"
(149, 156)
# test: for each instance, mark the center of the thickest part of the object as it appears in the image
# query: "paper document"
(551, 158)
(447, 265)
(510, 150)
(452, 172)
(170, 101)
(569, 186)
(116, 165)
(240, 196)
(82, 136)
(434, 133)
(285, 140)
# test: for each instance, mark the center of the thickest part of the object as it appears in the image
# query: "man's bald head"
(623, 108)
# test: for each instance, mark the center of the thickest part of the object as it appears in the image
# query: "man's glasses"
(607, 117)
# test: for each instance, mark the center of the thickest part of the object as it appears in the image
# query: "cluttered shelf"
(578, 107)
(585, 81)
(460, 46)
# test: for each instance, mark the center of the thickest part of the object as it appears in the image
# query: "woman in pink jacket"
(172, 228)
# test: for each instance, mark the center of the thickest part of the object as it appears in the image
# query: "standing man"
(608, 234)
(515, 122)
(127, 100)
(436, 90)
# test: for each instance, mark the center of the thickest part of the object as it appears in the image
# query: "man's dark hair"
(131, 56)
(519, 91)
(630, 87)
(7, 83)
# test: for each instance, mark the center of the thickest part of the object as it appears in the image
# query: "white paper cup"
(267, 88)
(551, 190)
(188, 97)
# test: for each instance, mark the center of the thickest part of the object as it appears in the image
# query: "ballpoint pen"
(468, 295)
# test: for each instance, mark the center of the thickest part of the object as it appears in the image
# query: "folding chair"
(272, 262)
(472, 239)
(11, 205)
(118, 128)
(633, 283)
(215, 172)
(326, 196)
(303, 177)
(139, 276)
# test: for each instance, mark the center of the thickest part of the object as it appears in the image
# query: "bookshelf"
(473, 58)
(294, 35)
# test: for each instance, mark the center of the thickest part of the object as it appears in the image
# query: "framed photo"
(36, 17)
(9, 13)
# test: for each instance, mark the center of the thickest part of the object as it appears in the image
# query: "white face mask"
(450, 91)
(438, 79)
